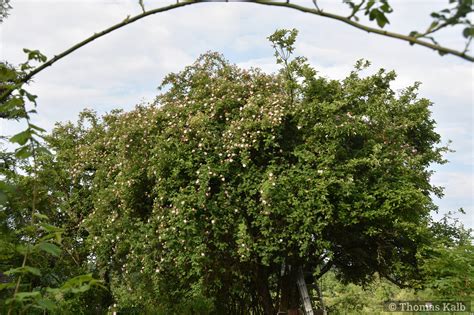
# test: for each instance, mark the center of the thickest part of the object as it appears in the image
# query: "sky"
(125, 68)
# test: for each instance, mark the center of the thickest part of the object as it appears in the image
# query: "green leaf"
(77, 281)
(27, 295)
(50, 228)
(13, 103)
(81, 289)
(58, 236)
(36, 128)
(386, 8)
(382, 20)
(370, 3)
(433, 25)
(25, 66)
(46, 304)
(22, 137)
(7, 285)
(468, 32)
(35, 55)
(13, 271)
(7, 74)
(33, 270)
(23, 270)
(53, 235)
(23, 152)
(379, 16)
(49, 248)
(41, 216)
(79, 284)
(44, 151)
(32, 98)
(350, 3)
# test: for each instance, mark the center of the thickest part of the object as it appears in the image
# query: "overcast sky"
(125, 67)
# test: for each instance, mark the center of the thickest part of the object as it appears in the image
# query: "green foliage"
(448, 276)
(374, 9)
(452, 271)
(49, 248)
(343, 298)
(455, 15)
(28, 240)
(233, 172)
(283, 42)
(193, 204)
(449, 267)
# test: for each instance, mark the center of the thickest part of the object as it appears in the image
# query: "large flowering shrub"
(210, 196)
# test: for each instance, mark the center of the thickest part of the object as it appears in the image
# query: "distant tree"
(449, 267)
(235, 178)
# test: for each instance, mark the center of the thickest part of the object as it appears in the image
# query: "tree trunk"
(261, 283)
(289, 300)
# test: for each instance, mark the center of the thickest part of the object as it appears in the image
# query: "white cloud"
(459, 193)
(266, 64)
(457, 184)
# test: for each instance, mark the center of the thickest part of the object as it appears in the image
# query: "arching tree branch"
(125, 22)
(410, 39)
(128, 20)
(316, 11)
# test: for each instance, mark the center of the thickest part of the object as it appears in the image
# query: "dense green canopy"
(232, 174)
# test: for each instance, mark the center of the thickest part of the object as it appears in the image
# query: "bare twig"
(356, 9)
(316, 5)
(142, 5)
(466, 48)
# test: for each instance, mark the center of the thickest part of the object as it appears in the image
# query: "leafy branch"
(36, 234)
(456, 15)
(378, 13)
